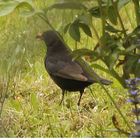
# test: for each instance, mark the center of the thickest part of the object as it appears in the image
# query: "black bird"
(67, 73)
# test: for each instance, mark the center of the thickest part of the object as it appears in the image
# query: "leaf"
(112, 72)
(66, 28)
(112, 58)
(67, 5)
(122, 3)
(133, 39)
(112, 15)
(34, 101)
(110, 28)
(26, 9)
(130, 63)
(85, 18)
(86, 29)
(74, 31)
(100, 68)
(27, 13)
(106, 39)
(130, 49)
(136, 31)
(8, 7)
(95, 11)
(83, 52)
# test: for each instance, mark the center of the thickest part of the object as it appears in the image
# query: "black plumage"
(68, 74)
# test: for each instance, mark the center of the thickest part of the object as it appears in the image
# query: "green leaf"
(26, 9)
(95, 11)
(112, 72)
(131, 63)
(85, 18)
(67, 5)
(7, 7)
(112, 15)
(83, 52)
(133, 39)
(136, 31)
(86, 29)
(66, 28)
(112, 58)
(122, 3)
(130, 49)
(110, 28)
(74, 31)
(96, 66)
(27, 13)
(106, 39)
(34, 101)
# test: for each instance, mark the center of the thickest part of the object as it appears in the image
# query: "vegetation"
(103, 32)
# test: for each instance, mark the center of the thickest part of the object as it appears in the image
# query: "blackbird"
(68, 73)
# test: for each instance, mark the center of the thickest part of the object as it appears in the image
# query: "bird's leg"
(81, 93)
(63, 92)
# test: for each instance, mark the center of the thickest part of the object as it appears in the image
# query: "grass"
(29, 100)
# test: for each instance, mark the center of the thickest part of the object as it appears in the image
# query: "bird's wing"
(72, 71)
(68, 70)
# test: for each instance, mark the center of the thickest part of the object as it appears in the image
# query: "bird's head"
(49, 37)
(53, 41)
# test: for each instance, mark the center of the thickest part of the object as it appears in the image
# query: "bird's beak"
(39, 36)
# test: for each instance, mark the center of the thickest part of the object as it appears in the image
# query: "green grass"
(29, 100)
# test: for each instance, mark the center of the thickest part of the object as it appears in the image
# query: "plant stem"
(46, 20)
(120, 19)
(96, 34)
(102, 17)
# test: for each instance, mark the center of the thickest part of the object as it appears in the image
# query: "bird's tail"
(105, 82)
